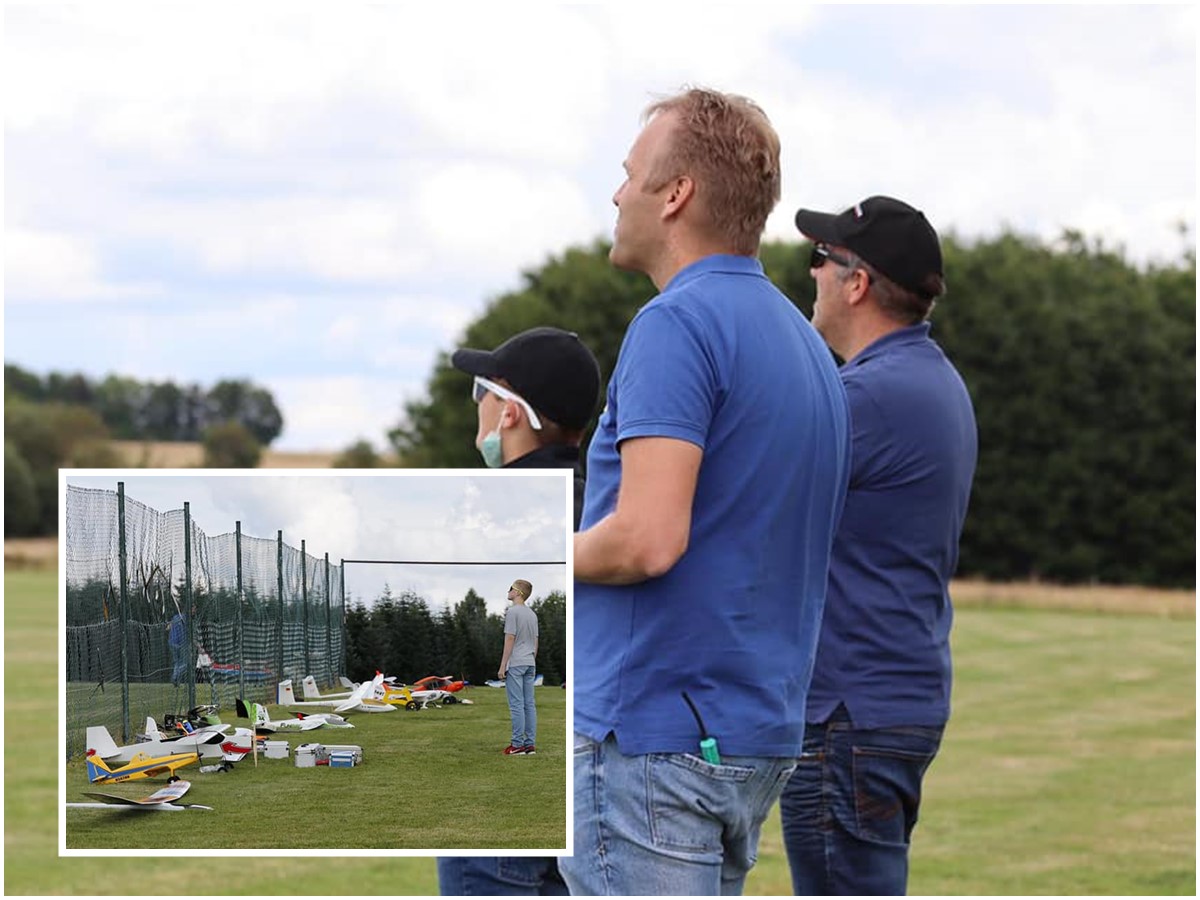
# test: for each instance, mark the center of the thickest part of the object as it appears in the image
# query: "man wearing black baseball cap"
(880, 693)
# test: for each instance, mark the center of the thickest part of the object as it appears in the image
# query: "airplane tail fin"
(97, 768)
(256, 713)
(311, 692)
(285, 696)
(346, 682)
(100, 743)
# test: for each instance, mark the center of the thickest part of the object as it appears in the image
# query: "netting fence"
(161, 617)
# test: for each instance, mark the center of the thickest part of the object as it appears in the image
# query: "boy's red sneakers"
(510, 750)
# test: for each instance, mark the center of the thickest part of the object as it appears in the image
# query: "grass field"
(431, 779)
(1068, 768)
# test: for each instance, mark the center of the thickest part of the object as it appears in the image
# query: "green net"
(184, 626)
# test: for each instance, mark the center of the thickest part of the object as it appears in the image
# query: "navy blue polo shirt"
(720, 359)
(885, 636)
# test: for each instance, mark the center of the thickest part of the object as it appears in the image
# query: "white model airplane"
(537, 682)
(158, 801)
(100, 743)
(361, 700)
(302, 722)
(312, 692)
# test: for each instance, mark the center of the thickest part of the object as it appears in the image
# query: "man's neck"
(866, 334)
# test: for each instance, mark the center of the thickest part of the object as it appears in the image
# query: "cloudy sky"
(321, 198)
(401, 514)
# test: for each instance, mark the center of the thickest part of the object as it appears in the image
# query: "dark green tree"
(21, 510)
(1081, 367)
(230, 445)
(359, 455)
(552, 636)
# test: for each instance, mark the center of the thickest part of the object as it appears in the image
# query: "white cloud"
(494, 218)
(366, 176)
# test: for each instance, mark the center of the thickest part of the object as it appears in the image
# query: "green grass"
(1068, 768)
(431, 779)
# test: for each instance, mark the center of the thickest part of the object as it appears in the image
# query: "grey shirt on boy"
(522, 622)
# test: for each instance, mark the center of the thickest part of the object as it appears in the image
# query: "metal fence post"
(342, 624)
(124, 578)
(304, 603)
(279, 566)
(188, 602)
(329, 673)
(241, 630)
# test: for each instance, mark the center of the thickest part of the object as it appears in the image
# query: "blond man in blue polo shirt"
(715, 478)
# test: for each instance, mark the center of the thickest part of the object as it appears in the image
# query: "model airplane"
(402, 695)
(100, 744)
(232, 747)
(143, 765)
(440, 682)
(302, 722)
(537, 682)
(160, 800)
(312, 692)
(361, 700)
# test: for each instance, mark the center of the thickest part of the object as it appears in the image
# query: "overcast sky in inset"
(432, 516)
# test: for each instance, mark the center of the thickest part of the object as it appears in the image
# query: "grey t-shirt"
(521, 621)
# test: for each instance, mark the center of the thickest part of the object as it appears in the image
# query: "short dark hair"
(898, 303)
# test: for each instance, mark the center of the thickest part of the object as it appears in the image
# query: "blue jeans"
(667, 823)
(499, 876)
(518, 684)
(850, 807)
(179, 664)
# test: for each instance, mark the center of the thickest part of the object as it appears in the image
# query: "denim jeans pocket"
(887, 791)
(687, 797)
(521, 871)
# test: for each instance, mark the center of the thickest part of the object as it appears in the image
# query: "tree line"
(1080, 364)
(401, 636)
(153, 411)
(68, 421)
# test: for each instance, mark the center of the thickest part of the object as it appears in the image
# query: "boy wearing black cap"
(880, 692)
(536, 393)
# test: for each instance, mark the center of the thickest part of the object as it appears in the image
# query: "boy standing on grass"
(517, 667)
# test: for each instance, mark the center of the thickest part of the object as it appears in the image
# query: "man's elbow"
(658, 557)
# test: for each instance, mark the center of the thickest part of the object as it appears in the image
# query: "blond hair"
(524, 587)
(727, 145)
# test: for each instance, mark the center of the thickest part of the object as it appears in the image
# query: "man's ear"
(681, 191)
(857, 286)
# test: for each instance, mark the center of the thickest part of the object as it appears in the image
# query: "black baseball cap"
(892, 236)
(549, 367)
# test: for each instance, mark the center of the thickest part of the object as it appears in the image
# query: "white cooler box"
(276, 749)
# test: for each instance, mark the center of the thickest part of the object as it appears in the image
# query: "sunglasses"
(821, 254)
(482, 386)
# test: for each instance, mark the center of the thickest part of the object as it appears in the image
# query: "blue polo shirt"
(885, 637)
(723, 360)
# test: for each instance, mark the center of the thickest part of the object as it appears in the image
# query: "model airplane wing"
(172, 791)
(160, 800)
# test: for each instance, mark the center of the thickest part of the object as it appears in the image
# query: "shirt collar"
(910, 334)
(720, 262)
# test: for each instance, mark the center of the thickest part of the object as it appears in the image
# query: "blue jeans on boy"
(494, 876)
(667, 823)
(849, 809)
(518, 684)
